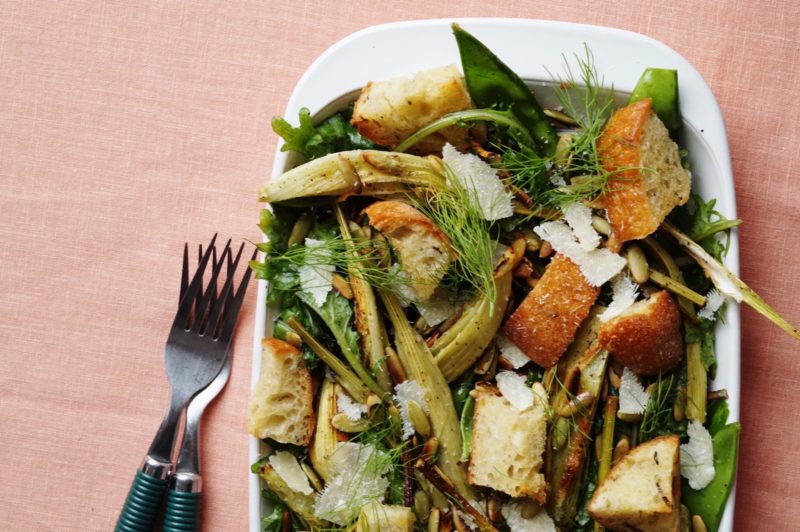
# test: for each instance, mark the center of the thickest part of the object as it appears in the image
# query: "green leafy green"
(584, 521)
(657, 419)
(332, 135)
(702, 223)
(704, 334)
(460, 389)
(717, 415)
(274, 521)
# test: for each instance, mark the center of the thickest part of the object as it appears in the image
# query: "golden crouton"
(650, 180)
(387, 112)
(376, 516)
(646, 337)
(423, 250)
(508, 444)
(545, 323)
(281, 405)
(642, 490)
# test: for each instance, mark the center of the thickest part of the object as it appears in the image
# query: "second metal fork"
(194, 355)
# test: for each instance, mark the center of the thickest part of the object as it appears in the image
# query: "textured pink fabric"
(127, 128)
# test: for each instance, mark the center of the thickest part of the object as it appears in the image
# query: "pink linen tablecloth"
(128, 128)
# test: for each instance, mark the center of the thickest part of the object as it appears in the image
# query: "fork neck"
(161, 449)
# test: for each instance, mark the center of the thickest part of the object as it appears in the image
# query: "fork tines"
(208, 311)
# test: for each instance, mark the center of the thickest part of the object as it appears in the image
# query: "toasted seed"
(430, 448)
(294, 339)
(342, 286)
(394, 366)
(698, 525)
(560, 433)
(561, 116)
(637, 264)
(316, 482)
(546, 250)
(487, 362)
(422, 505)
(628, 417)
(524, 269)
(532, 240)
(601, 225)
(419, 420)
(494, 507)
(433, 520)
(341, 422)
(621, 449)
(614, 378)
(529, 509)
(300, 229)
(372, 401)
(580, 402)
(394, 413)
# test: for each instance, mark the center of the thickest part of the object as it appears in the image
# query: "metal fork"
(195, 353)
(183, 501)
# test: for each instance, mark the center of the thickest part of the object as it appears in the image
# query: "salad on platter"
(491, 314)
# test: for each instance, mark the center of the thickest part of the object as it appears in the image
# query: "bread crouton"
(282, 402)
(545, 323)
(646, 337)
(508, 444)
(387, 112)
(376, 516)
(642, 490)
(650, 181)
(423, 250)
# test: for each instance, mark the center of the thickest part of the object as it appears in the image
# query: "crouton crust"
(424, 250)
(387, 112)
(642, 490)
(546, 321)
(647, 336)
(282, 402)
(650, 180)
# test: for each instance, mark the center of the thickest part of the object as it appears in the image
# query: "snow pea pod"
(491, 83)
(709, 502)
(661, 85)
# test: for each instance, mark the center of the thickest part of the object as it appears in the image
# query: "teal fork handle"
(143, 504)
(183, 512)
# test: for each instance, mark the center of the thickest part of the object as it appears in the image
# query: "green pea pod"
(718, 412)
(466, 428)
(492, 84)
(709, 502)
(661, 85)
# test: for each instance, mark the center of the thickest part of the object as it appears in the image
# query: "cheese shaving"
(404, 392)
(714, 301)
(437, 309)
(624, 295)
(632, 395)
(597, 265)
(358, 478)
(579, 218)
(480, 180)
(315, 279)
(286, 466)
(354, 411)
(511, 352)
(697, 456)
(513, 388)
(541, 522)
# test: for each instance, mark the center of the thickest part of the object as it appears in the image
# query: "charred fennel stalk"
(326, 437)
(302, 505)
(418, 362)
(368, 172)
(606, 443)
(727, 283)
(697, 384)
(462, 344)
(367, 316)
(567, 463)
(673, 272)
(349, 380)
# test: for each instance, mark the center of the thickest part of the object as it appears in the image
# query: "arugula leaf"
(337, 314)
(702, 223)
(274, 521)
(332, 135)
